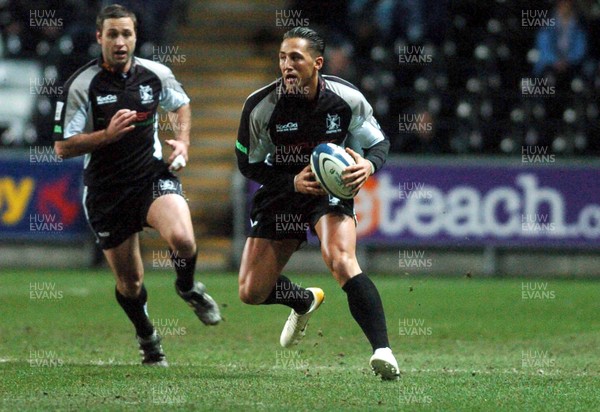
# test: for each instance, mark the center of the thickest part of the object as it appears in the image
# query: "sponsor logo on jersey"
(104, 234)
(143, 119)
(289, 127)
(333, 123)
(109, 98)
(146, 94)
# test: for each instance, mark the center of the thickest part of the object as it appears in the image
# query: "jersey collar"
(282, 94)
(104, 66)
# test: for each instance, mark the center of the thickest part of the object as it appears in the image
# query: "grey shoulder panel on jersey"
(348, 92)
(364, 130)
(172, 95)
(76, 119)
(260, 144)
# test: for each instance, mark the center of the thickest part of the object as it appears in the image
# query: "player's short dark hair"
(315, 41)
(114, 11)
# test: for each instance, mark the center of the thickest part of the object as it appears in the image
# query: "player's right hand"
(120, 124)
(305, 182)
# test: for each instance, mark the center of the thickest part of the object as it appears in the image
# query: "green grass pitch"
(462, 343)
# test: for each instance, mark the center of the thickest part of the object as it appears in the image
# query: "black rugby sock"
(367, 309)
(185, 268)
(136, 312)
(289, 294)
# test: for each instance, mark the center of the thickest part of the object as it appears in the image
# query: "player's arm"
(73, 132)
(372, 140)
(174, 100)
(82, 143)
(252, 148)
(181, 120)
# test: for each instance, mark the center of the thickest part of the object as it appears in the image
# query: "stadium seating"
(18, 94)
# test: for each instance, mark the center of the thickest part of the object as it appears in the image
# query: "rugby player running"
(108, 112)
(291, 116)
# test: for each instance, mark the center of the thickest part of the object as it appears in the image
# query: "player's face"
(299, 69)
(118, 42)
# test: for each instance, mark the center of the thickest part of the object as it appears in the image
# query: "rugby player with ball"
(281, 124)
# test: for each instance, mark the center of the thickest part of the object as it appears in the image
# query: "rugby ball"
(327, 162)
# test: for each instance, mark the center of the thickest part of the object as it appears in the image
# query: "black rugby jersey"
(94, 94)
(278, 131)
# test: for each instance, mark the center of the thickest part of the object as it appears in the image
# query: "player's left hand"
(355, 176)
(179, 148)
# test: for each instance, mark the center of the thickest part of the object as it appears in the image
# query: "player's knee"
(338, 260)
(130, 287)
(250, 297)
(183, 242)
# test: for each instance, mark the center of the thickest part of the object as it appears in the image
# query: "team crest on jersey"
(333, 201)
(146, 94)
(334, 123)
(166, 185)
